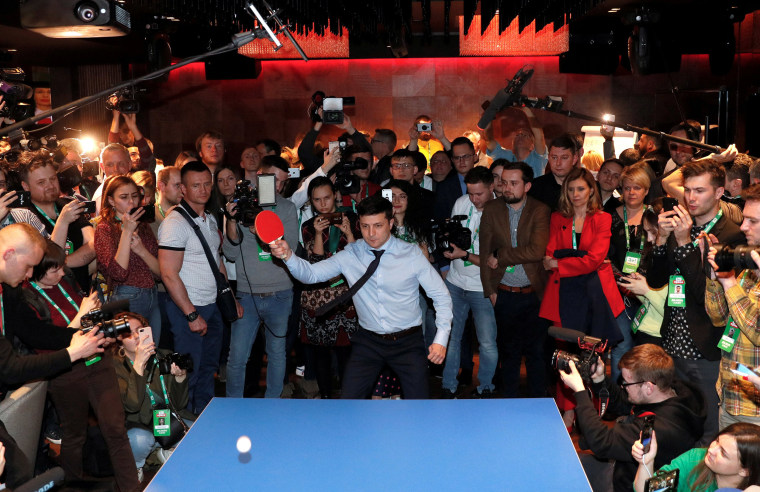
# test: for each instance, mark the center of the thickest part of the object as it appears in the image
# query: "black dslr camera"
(103, 319)
(248, 201)
(183, 361)
(729, 258)
(16, 95)
(590, 349)
(124, 101)
(346, 182)
(446, 232)
(332, 108)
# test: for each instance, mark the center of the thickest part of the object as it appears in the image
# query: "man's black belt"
(396, 334)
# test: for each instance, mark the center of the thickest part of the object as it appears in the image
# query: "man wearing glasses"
(448, 191)
(403, 168)
(648, 387)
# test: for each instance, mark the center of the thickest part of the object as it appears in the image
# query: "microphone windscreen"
(566, 334)
(43, 482)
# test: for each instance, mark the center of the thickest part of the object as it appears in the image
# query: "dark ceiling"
(426, 27)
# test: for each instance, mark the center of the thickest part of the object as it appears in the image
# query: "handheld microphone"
(43, 482)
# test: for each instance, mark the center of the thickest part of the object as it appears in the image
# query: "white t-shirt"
(467, 277)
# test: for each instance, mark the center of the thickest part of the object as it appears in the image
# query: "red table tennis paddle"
(269, 226)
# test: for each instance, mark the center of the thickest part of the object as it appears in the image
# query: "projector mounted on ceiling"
(75, 18)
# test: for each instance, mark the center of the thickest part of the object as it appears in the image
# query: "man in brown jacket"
(515, 229)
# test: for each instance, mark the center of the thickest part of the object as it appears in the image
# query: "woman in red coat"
(581, 225)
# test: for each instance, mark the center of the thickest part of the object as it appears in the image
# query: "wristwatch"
(191, 316)
(466, 257)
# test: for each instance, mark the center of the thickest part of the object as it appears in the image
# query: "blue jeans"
(143, 302)
(485, 328)
(626, 344)
(142, 442)
(274, 311)
(204, 350)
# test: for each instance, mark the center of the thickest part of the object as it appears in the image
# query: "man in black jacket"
(649, 387)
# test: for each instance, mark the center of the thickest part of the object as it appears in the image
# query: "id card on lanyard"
(632, 259)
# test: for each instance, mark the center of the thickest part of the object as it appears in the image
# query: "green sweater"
(686, 463)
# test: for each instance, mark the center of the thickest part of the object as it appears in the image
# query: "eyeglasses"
(405, 165)
(625, 385)
(461, 157)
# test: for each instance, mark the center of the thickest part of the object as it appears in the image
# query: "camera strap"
(52, 303)
(221, 282)
(604, 400)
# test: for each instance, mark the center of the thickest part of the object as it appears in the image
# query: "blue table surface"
(497, 444)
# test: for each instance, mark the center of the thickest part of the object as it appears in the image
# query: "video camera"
(15, 95)
(124, 101)
(346, 182)
(590, 347)
(729, 258)
(248, 201)
(183, 361)
(103, 319)
(332, 108)
(446, 232)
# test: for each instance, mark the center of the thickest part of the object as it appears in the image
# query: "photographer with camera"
(145, 386)
(649, 387)
(129, 135)
(466, 289)
(312, 161)
(427, 136)
(732, 301)
(359, 160)
(264, 287)
(63, 218)
(448, 191)
(88, 384)
(688, 333)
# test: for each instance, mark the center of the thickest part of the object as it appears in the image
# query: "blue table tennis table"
(370, 445)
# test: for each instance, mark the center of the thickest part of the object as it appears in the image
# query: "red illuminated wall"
(390, 93)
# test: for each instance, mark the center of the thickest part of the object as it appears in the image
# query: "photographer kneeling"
(147, 389)
(648, 387)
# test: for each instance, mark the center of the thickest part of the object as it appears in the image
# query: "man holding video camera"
(466, 289)
(649, 387)
(732, 302)
(264, 287)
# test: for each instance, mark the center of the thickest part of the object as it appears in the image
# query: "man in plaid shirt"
(732, 302)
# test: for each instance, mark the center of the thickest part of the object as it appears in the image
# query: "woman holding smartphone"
(127, 250)
(144, 388)
(324, 235)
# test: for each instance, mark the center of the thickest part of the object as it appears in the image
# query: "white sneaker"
(140, 475)
(164, 454)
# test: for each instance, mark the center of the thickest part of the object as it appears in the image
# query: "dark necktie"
(354, 288)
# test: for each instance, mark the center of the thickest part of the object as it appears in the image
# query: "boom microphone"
(566, 334)
(44, 482)
(505, 97)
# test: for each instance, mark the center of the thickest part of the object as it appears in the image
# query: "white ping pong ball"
(243, 444)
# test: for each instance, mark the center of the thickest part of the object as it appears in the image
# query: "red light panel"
(512, 42)
(315, 46)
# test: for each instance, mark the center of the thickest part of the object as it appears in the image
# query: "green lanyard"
(48, 299)
(628, 233)
(575, 245)
(477, 231)
(52, 222)
(709, 226)
(334, 241)
(163, 386)
(161, 211)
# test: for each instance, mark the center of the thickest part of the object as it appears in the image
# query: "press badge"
(467, 263)
(677, 291)
(510, 269)
(161, 421)
(69, 247)
(730, 334)
(639, 317)
(632, 262)
(264, 255)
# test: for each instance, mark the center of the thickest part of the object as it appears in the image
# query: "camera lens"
(87, 11)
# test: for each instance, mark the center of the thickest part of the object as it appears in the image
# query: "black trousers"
(407, 356)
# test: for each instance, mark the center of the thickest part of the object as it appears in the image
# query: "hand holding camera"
(646, 459)
(84, 345)
(71, 212)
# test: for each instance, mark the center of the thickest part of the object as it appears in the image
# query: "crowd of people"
(398, 261)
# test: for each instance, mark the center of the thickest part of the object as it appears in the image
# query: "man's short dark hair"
(479, 174)
(374, 205)
(214, 135)
(752, 194)
(578, 139)
(629, 156)
(463, 141)
(738, 170)
(32, 160)
(402, 153)
(388, 135)
(420, 161)
(693, 132)
(699, 167)
(498, 162)
(269, 161)
(649, 362)
(610, 161)
(564, 142)
(193, 167)
(527, 171)
(348, 154)
(270, 145)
